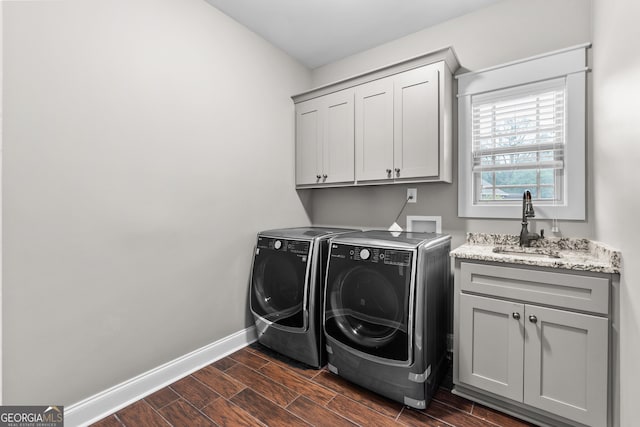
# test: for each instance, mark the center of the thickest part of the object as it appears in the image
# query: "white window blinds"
(518, 142)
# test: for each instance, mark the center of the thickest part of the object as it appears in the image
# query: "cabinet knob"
(325, 176)
(533, 319)
(516, 315)
(388, 170)
(397, 171)
(317, 176)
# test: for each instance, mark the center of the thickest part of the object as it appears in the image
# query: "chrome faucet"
(527, 212)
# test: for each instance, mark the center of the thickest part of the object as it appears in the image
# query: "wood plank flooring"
(257, 387)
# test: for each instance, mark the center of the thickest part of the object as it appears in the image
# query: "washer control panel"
(298, 247)
(371, 254)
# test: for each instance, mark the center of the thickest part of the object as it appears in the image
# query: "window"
(518, 143)
(522, 127)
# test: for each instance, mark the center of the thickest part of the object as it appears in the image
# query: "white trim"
(520, 90)
(518, 61)
(570, 62)
(526, 71)
(109, 401)
(445, 54)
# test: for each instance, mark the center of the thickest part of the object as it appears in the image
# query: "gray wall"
(145, 143)
(1, 136)
(616, 89)
(497, 34)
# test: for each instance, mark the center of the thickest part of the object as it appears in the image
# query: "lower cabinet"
(566, 364)
(491, 350)
(540, 356)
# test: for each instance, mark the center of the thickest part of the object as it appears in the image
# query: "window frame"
(569, 64)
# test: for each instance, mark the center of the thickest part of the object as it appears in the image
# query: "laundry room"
(137, 178)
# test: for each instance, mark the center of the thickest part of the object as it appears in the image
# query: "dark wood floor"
(256, 387)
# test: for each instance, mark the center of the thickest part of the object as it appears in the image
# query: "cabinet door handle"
(533, 319)
(516, 315)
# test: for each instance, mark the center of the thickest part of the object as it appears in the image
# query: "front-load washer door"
(278, 280)
(367, 303)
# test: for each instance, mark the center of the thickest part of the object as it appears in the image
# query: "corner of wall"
(1, 133)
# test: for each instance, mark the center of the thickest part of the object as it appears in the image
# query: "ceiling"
(317, 32)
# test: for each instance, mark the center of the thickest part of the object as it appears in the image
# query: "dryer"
(385, 314)
(286, 286)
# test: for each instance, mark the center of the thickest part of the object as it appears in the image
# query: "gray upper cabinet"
(417, 113)
(400, 128)
(324, 139)
(398, 124)
(374, 134)
(308, 142)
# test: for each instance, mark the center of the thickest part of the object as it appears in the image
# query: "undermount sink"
(533, 252)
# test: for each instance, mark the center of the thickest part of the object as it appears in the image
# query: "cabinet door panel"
(374, 130)
(338, 147)
(491, 345)
(566, 364)
(417, 118)
(308, 142)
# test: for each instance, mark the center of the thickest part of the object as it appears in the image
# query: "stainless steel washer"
(385, 315)
(287, 280)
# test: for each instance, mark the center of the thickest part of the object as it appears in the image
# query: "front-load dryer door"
(368, 300)
(278, 281)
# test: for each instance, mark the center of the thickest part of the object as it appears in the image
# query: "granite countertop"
(556, 252)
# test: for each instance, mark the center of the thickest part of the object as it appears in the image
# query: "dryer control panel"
(371, 254)
(298, 247)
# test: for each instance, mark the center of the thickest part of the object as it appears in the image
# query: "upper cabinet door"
(374, 130)
(566, 364)
(309, 130)
(338, 142)
(417, 123)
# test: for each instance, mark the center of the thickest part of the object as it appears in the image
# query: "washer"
(287, 280)
(385, 314)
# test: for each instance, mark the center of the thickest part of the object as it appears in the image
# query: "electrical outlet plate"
(413, 193)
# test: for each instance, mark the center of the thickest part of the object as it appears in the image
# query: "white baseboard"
(117, 397)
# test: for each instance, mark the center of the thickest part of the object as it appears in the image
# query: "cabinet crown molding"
(445, 54)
